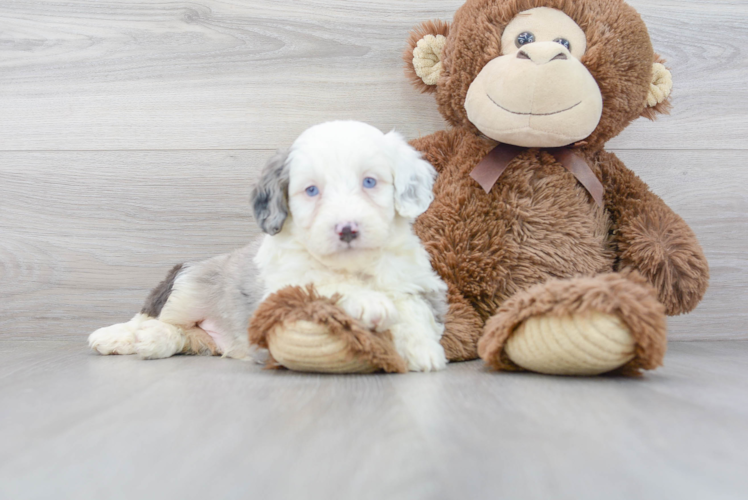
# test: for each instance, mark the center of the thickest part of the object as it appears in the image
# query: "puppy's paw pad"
(426, 356)
(156, 340)
(379, 316)
(115, 339)
(374, 311)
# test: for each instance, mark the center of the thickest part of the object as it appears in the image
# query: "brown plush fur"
(293, 303)
(626, 295)
(538, 230)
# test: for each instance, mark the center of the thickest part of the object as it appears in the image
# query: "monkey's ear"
(423, 56)
(658, 97)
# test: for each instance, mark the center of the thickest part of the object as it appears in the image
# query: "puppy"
(338, 209)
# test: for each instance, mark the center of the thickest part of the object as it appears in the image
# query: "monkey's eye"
(312, 191)
(564, 42)
(525, 38)
(370, 182)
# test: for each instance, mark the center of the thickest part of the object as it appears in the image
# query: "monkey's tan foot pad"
(310, 347)
(582, 326)
(589, 343)
(307, 332)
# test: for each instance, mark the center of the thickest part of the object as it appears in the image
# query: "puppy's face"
(341, 191)
(348, 183)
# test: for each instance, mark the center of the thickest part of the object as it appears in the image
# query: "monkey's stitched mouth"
(533, 114)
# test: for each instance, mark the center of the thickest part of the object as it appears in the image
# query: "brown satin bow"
(490, 168)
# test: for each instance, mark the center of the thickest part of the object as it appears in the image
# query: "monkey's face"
(556, 74)
(537, 93)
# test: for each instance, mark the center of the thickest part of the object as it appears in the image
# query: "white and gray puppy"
(338, 209)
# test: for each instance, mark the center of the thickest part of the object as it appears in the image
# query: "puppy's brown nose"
(347, 231)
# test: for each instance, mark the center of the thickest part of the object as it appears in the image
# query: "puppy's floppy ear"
(414, 178)
(269, 197)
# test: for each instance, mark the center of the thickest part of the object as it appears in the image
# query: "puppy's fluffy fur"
(338, 209)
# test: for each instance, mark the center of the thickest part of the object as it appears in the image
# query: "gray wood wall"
(130, 132)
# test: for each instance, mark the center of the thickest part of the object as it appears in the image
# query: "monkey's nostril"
(541, 56)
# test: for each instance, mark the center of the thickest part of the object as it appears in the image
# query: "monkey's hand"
(653, 239)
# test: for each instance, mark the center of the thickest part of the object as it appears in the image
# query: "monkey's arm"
(436, 148)
(653, 239)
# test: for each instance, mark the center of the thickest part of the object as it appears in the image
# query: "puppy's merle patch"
(270, 195)
(160, 295)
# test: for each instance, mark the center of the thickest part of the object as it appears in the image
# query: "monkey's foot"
(580, 344)
(306, 332)
(305, 346)
(582, 326)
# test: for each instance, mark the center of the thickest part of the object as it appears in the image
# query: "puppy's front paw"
(423, 355)
(374, 310)
(156, 339)
(115, 339)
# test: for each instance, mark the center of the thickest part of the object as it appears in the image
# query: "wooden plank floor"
(81, 426)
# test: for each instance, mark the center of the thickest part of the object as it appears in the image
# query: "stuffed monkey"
(558, 258)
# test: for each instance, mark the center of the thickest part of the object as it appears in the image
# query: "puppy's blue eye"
(312, 191)
(370, 182)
